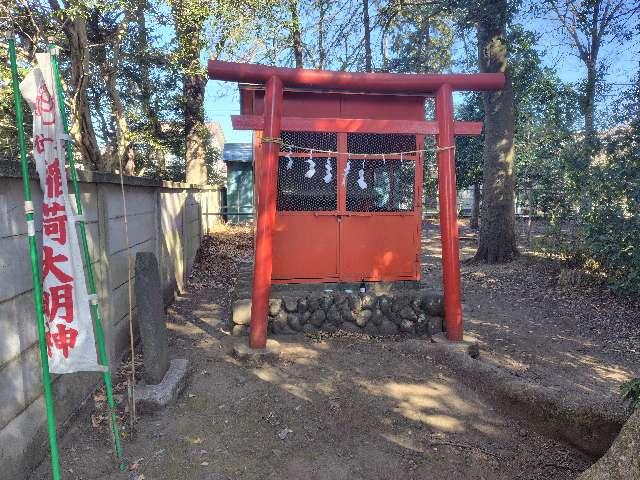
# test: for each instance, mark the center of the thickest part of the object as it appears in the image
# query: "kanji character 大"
(49, 265)
(64, 339)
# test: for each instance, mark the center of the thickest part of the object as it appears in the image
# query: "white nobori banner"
(69, 327)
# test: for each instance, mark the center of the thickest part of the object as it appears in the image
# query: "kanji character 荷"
(56, 228)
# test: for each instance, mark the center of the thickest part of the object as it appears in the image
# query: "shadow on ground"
(348, 407)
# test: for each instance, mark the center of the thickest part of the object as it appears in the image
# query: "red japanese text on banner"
(69, 327)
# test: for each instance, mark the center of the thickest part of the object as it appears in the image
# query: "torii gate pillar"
(448, 213)
(266, 185)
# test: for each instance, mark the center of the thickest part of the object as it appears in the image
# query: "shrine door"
(348, 217)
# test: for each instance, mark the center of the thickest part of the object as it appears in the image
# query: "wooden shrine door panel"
(380, 221)
(305, 247)
(305, 238)
(378, 247)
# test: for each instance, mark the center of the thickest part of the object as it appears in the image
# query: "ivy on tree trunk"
(296, 34)
(189, 17)
(75, 30)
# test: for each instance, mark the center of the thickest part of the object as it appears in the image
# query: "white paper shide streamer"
(327, 176)
(289, 159)
(361, 181)
(69, 327)
(312, 166)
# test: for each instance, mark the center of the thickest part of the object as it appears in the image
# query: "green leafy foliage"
(610, 221)
(630, 393)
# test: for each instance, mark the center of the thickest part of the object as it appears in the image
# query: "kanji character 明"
(52, 209)
(56, 228)
(45, 106)
(56, 298)
(38, 142)
(49, 265)
(64, 339)
(54, 179)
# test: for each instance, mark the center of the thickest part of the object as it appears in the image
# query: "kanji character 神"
(56, 228)
(54, 179)
(49, 265)
(64, 339)
(56, 298)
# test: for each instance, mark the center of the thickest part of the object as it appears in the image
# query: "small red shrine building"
(339, 174)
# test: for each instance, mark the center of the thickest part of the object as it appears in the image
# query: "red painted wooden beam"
(266, 184)
(352, 125)
(448, 214)
(415, 83)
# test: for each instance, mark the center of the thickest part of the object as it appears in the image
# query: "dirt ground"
(352, 407)
(576, 336)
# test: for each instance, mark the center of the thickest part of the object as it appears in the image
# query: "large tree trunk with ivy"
(622, 460)
(75, 30)
(195, 130)
(497, 241)
(474, 222)
(366, 25)
(108, 49)
(189, 17)
(322, 54)
(296, 33)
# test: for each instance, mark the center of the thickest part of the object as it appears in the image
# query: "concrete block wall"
(166, 218)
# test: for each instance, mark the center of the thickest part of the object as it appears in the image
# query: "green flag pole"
(95, 310)
(35, 272)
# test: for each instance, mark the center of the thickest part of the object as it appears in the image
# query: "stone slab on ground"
(151, 398)
(242, 351)
(242, 311)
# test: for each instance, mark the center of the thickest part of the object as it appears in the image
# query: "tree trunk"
(109, 68)
(531, 213)
(142, 42)
(475, 209)
(321, 52)
(81, 127)
(588, 106)
(497, 241)
(296, 34)
(366, 23)
(189, 18)
(195, 130)
(622, 460)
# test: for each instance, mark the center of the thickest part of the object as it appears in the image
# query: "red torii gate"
(439, 85)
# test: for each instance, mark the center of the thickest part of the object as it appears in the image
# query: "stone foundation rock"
(414, 313)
